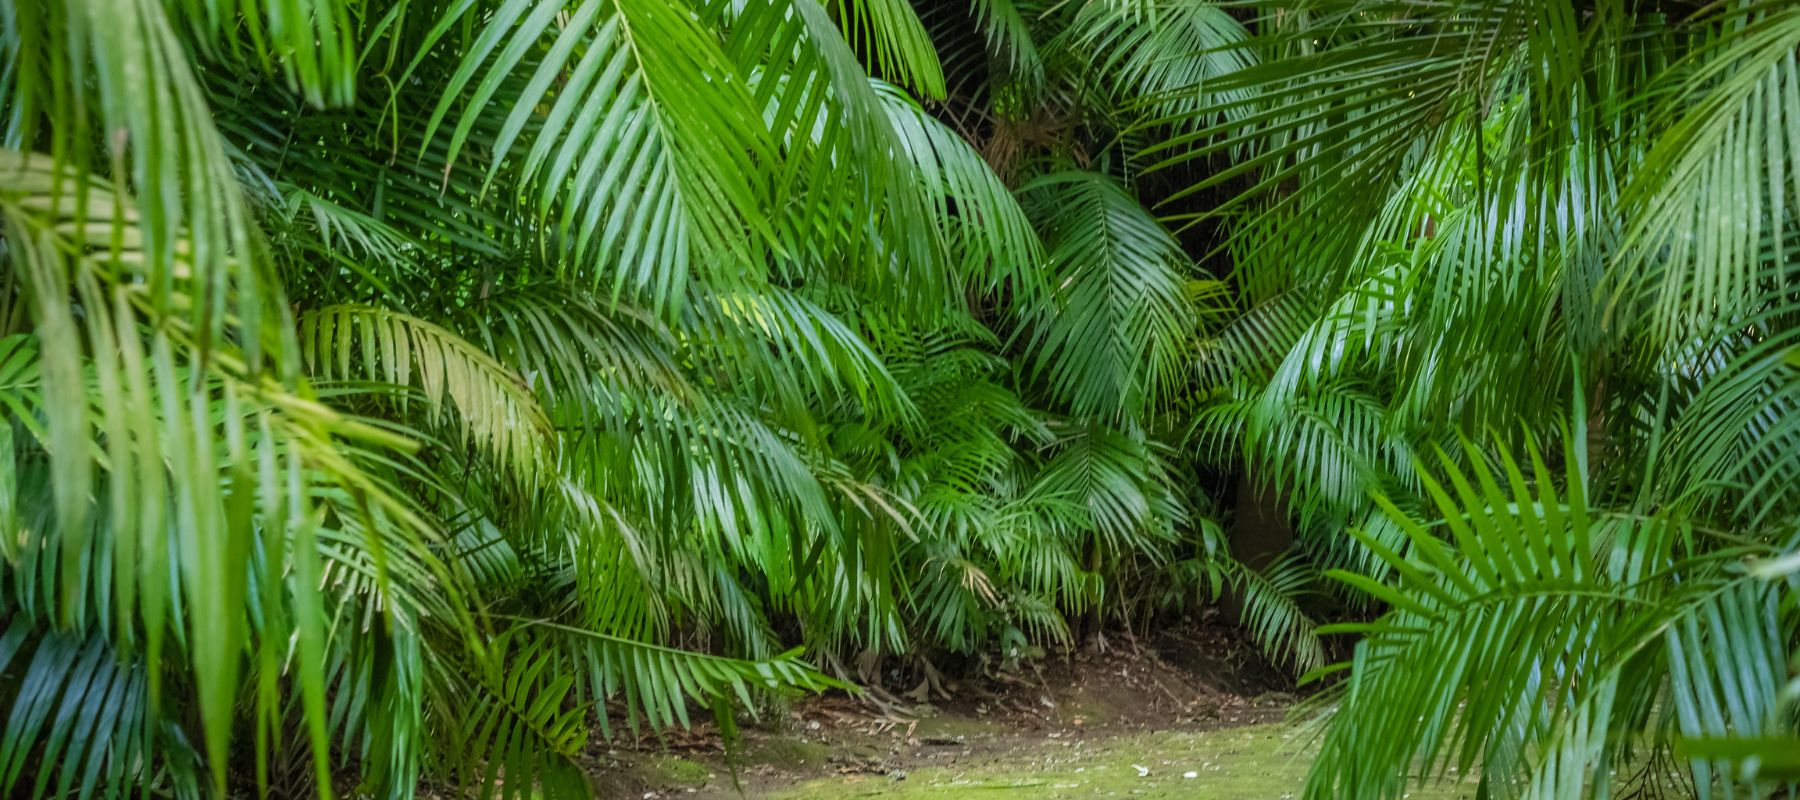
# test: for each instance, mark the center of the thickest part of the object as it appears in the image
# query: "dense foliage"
(398, 392)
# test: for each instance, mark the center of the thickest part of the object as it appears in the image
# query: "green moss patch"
(1262, 762)
(782, 754)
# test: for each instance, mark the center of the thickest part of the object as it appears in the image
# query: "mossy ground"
(1258, 762)
(674, 772)
(1123, 725)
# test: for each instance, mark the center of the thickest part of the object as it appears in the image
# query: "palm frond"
(194, 438)
(1115, 337)
(493, 406)
(1162, 68)
(992, 240)
(894, 41)
(1730, 118)
(80, 716)
(651, 109)
(1532, 623)
(1272, 612)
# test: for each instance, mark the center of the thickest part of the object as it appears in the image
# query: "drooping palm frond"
(313, 44)
(1733, 436)
(651, 108)
(870, 224)
(1540, 631)
(1115, 337)
(1343, 113)
(895, 42)
(992, 240)
(1729, 141)
(1162, 67)
(1121, 482)
(526, 703)
(1747, 756)
(563, 344)
(1273, 612)
(79, 717)
(373, 249)
(1739, 693)
(192, 441)
(1257, 341)
(153, 112)
(816, 354)
(516, 727)
(492, 405)
(1010, 41)
(1477, 216)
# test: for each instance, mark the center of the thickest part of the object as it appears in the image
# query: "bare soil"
(1139, 717)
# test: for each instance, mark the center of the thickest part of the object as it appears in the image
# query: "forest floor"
(1194, 713)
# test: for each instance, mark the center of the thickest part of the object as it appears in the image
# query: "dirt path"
(1257, 762)
(1195, 716)
(1192, 717)
(1260, 761)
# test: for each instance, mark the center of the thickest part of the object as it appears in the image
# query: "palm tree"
(1557, 229)
(393, 390)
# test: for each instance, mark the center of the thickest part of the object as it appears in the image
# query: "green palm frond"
(1748, 755)
(820, 104)
(189, 438)
(1330, 448)
(1343, 113)
(651, 110)
(1730, 118)
(1163, 67)
(1526, 635)
(563, 344)
(80, 716)
(814, 352)
(656, 682)
(516, 728)
(1116, 335)
(1009, 41)
(313, 44)
(1122, 482)
(1258, 340)
(374, 249)
(1735, 435)
(492, 404)
(890, 35)
(1739, 690)
(194, 244)
(1272, 612)
(518, 715)
(992, 240)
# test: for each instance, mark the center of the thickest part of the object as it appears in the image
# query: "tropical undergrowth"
(408, 392)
